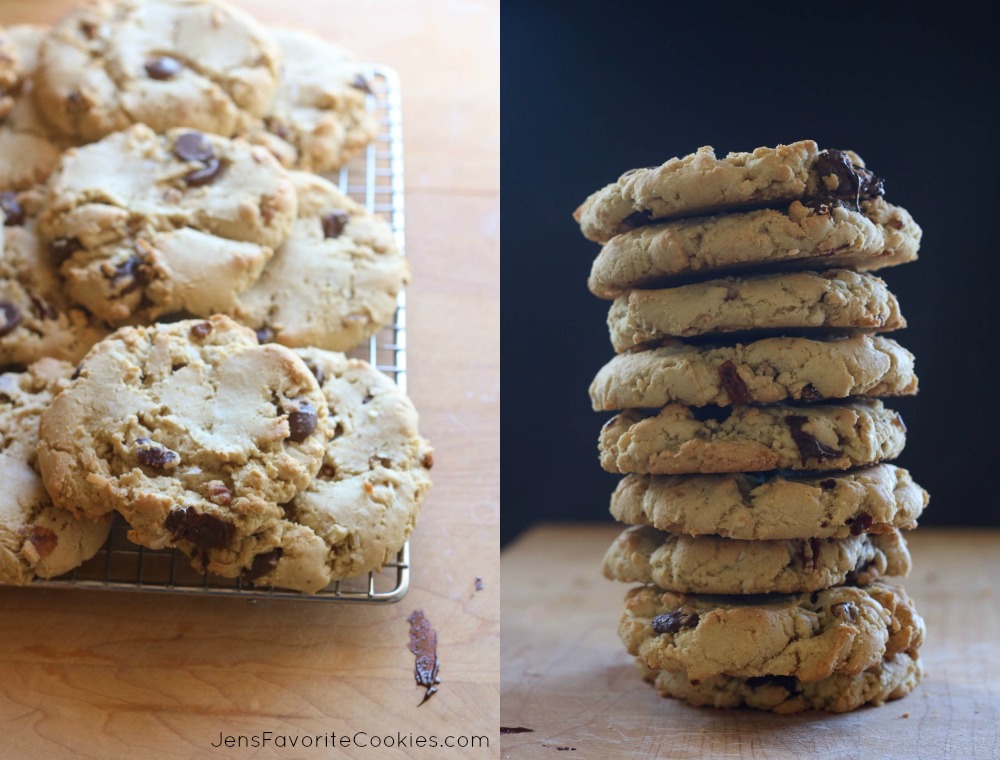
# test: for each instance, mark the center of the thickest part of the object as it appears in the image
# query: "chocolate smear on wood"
(423, 644)
(516, 730)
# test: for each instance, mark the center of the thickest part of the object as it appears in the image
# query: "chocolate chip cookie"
(701, 183)
(716, 565)
(837, 300)
(199, 64)
(334, 281)
(764, 371)
(319, 118)
(767, 507)
(36, 538)
(810, 636)
(191, 430)
(145, 225)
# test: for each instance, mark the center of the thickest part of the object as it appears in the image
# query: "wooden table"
(566, 675)
(101, 675)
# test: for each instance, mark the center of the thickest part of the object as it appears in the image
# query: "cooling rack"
(374, 179)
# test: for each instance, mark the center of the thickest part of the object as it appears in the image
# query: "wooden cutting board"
(566, 676)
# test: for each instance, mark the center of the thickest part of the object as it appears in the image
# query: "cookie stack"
(175, 285)
(753, 442)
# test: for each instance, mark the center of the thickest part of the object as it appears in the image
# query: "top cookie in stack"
(755, 447)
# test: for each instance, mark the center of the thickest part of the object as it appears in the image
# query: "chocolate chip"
(334, 223)
(860, 524)
(76, 372)
(12, 210)
(317, 373)
(854, 183)
(154, 455)
(201, 529)
(368, 398)
(845, 611)
(133, 270)
(733, 384)
(809, 447)
(201, 330)
(163, 67)
(42, 310)
(360, 83)
(206, 175)
(265, 335)
(809, 392)
(193, 146)
(810, 554)
(302, 423)
(263, 564)
(828, 484)
(10, 317)
(675, 621)
(62, 248)
(44, 540)
(219, 494)
(428, 461)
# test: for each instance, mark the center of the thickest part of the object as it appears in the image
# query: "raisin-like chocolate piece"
(193, 146)
(201, 330)
(10, 317)
(672, 622)
(828, 484)
(845, 611)
(163, 67)
(211, 171)
(334, 223)
(203, 530)
(360, 83)
(155, 455)
(263, 564)
(302, 422)
(809, 447)
(860, 524)
(733, 384)
(12, 211)
(61, 249)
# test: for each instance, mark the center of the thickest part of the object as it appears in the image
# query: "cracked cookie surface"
(674, 441)
(200, 64)
(781, 506)
(879, 235)
(192, 431)
(765, 371)
(334, 281)
(146, 225)
(838, 300)
(810, 636)
(36, 538)
(716, 565)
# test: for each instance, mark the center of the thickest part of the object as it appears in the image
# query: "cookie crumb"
(905, 715)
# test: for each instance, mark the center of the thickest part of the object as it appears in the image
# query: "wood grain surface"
(105, 675)
(566, 675)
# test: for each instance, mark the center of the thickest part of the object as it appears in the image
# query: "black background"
(591, 91)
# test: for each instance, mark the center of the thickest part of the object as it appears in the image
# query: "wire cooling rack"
(374, 179)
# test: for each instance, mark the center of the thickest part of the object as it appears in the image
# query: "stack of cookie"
(175, 284)
(753, 441)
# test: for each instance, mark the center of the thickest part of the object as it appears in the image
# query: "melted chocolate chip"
(62, 248)
(828, 484)
(302, 423)
(44, 540)
(263, 564)
(10, 317)
(163, 67)
(193, 146)
(154, 455)
(12, 210)
(810, 554)
(845, 611)
(675, 621)
(809, 392)
(809, 447)
(360, 83)
(854, 184)
(200, 529)
(860, 524)
(733, 384)
(201, 330)
(334, 223)
(212, 170)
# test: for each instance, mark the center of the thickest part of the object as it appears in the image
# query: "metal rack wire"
(374, 179)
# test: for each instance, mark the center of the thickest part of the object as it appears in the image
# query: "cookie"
(359, 510)
(752, 439)
(773, 507)
(800, 236)
(319, 119)
(837, 299)
(28, 148)
(701, 183)
(764, 371)
(36, 319)
(147, 225)
(716, 565)
(810, 636)
(199, 64)
(334, 281)
(191, 430)
(36, 538)
(10, 72)
(886, 680)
